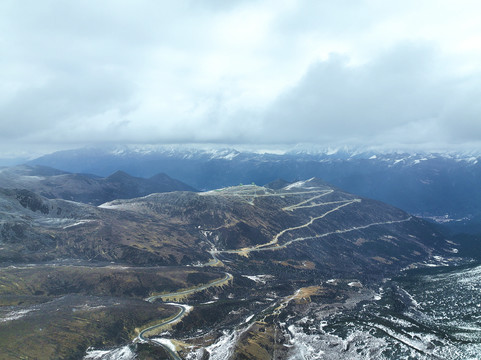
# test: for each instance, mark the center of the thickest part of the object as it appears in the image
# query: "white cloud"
(335, 101)
(244, 71)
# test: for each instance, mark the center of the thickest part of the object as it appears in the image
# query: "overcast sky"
(345, 72)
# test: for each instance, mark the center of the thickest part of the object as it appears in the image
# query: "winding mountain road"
(177, 317)
(225, 279)
(308, 203)
(183, 311)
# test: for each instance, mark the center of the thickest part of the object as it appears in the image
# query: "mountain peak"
(277, 184)
(120, 175)
(306, 184)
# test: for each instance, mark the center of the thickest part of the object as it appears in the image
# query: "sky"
(369, 73)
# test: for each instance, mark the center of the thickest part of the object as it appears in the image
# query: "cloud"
(66, 97)
(406, 95)
(245, 72)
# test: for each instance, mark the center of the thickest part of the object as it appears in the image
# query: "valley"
(226, 273)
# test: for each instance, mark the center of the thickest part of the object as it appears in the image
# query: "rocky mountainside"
(34, 228)
(89, 189)
(306, 222)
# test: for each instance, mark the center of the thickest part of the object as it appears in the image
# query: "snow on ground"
(357, 346)
(297, 184)
(77, 223)
(258, 278)
(123, 353)
(249, 318)
(167, 343)
(187, 308)
(197, 354)
(224, 347)
(110, 205)
(300, 184)
(14, 315)
(230, 156)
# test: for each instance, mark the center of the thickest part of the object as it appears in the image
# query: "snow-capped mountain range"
(440, 186)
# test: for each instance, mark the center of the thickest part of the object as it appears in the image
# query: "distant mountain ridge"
(90, 189)
(443, 187)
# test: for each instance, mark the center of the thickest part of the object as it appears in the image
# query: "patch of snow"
(123, 353)
(76, 223)
(167, 343)
(109, 206)
(295, 185)
(332, 151)
(223, 348)
(414, 303)
(198, 354)
(322, 325)
(373, 157)
(32, 177)
(15, 315)
(302, 349)
(269, 151)
(304, 320)
(258, 278)
(187, 308)
(354, 284)
(118, 152)
(357, 345)
(230, 156)
(249, 318)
